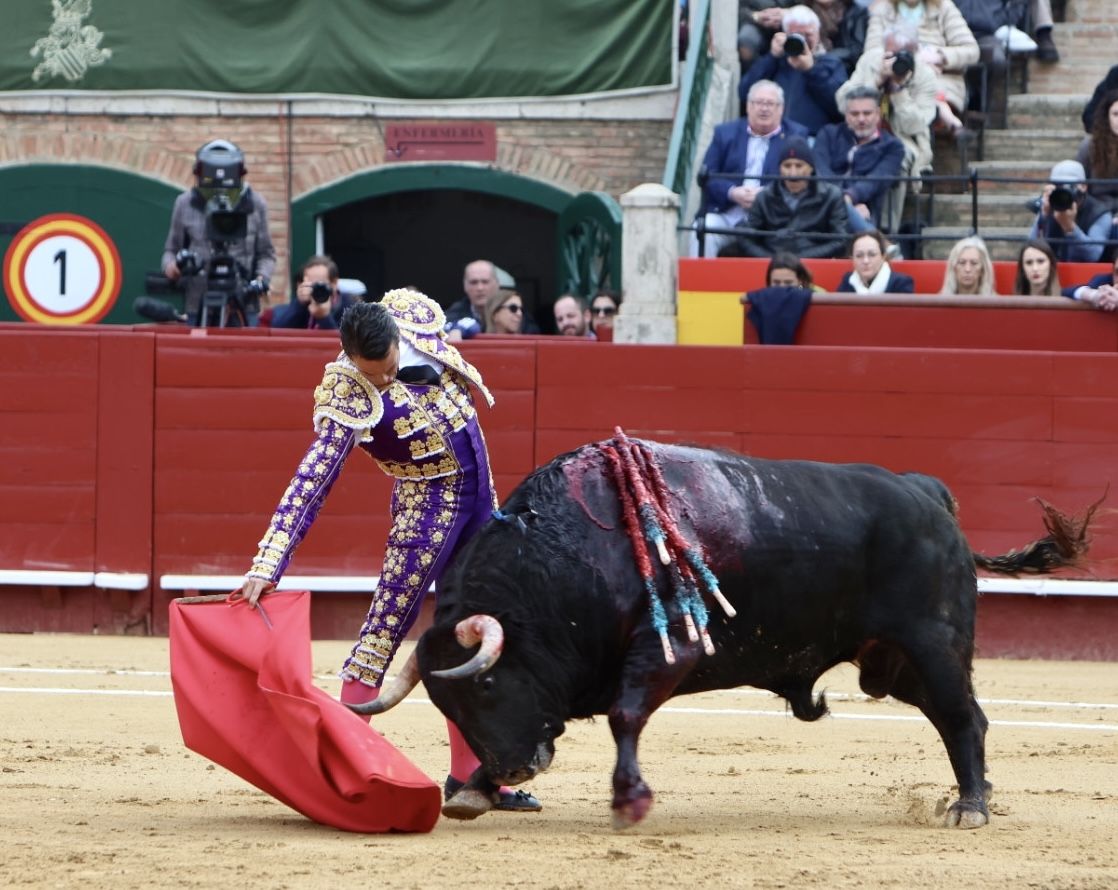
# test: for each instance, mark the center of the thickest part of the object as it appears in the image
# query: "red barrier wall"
(748, 273)
(923, 321)
(144, 452)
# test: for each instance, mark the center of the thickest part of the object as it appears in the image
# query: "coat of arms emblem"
(70, 47)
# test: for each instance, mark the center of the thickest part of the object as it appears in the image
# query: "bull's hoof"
(966, 814)
(469, 803)
(631, 812)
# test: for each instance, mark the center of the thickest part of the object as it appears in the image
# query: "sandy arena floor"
(98, 792)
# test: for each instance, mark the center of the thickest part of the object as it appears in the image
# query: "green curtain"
(392, 49)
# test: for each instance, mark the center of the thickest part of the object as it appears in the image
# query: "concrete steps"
(993, 210)
(1048, 111)
(1023, 146)
(938, 240)
(1087, 51)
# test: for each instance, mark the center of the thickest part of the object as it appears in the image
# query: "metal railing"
(924, 216)
(693, 87)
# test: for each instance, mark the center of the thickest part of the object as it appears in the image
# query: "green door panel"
(132, 210)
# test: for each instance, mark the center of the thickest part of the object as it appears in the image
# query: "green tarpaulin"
(392, 49)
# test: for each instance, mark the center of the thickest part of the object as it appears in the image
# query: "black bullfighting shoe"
(511, 801)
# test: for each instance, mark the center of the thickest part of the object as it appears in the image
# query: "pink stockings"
(462, 759)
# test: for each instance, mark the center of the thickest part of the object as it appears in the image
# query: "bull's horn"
(393, 692)
(469, 631)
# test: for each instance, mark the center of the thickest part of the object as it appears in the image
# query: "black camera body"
(321, 292)
(904, 63)
(795, 44)
(1061, 198)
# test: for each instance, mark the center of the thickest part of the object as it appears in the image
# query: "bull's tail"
(1064, 546)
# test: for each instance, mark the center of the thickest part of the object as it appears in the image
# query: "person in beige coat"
(946, 45)
(908, 103)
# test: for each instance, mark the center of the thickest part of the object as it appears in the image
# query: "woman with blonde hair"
(946, 44)
(1037, 274)
(969, 270)
(504, 312)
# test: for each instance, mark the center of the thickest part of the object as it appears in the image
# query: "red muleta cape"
(245, 700)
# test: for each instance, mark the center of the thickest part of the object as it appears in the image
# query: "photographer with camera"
(908, 87)
(317, 303)
(808, 75)
(218, 249)
(1070, 220)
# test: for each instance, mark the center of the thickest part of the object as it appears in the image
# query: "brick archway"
(124, 153)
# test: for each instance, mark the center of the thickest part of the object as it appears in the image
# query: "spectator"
(908, 86)
(1037, 270)
(842, 27)
(219, 170)
(777, 309)
(504, 311)
(1100, 292)
(1104, 86)
(603, 310)
(787, 270)
(572, 317)
(808, 75)
(1098, 153)
(871, 273)
(479, 280)
(379, 396)
(1075, 224)
(789, 212)
(856, 149)
(997, 26)
(946, 45)
(749, 148)
(969, 271)
(318, 303)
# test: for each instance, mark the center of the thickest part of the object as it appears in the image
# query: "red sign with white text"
(441, 141)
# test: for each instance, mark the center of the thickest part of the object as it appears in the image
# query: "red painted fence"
(157, 453)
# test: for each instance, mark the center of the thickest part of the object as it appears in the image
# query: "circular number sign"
(62, 269)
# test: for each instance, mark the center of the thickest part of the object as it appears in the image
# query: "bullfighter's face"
(379, 372)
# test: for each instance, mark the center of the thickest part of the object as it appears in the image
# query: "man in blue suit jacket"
(749, 149)
(1101, 291)
(859, 148)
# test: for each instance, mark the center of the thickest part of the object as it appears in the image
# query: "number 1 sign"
(62, 269)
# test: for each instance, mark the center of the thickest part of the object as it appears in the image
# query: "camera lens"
(321, 292)
(903, 63)
(1061, 199)
(795, 45)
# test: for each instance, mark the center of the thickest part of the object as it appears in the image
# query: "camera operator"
(317, 303)
(799, 63)
(198, 235)
(1070, 220)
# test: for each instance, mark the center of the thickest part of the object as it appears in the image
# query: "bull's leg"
(642, 691)
(936, 679)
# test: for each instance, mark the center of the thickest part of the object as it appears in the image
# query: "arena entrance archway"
(420, 224)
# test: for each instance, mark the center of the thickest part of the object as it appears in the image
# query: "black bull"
(823, 563)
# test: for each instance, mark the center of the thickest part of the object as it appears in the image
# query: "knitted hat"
(797, 147)
(1068, 173)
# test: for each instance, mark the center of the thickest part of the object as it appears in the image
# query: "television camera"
(231, 295)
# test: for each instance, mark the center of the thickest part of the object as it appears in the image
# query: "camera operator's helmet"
(219, 167)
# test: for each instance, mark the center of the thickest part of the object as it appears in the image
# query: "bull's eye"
(487, 681)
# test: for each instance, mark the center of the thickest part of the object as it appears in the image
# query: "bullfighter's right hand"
(254, 588)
